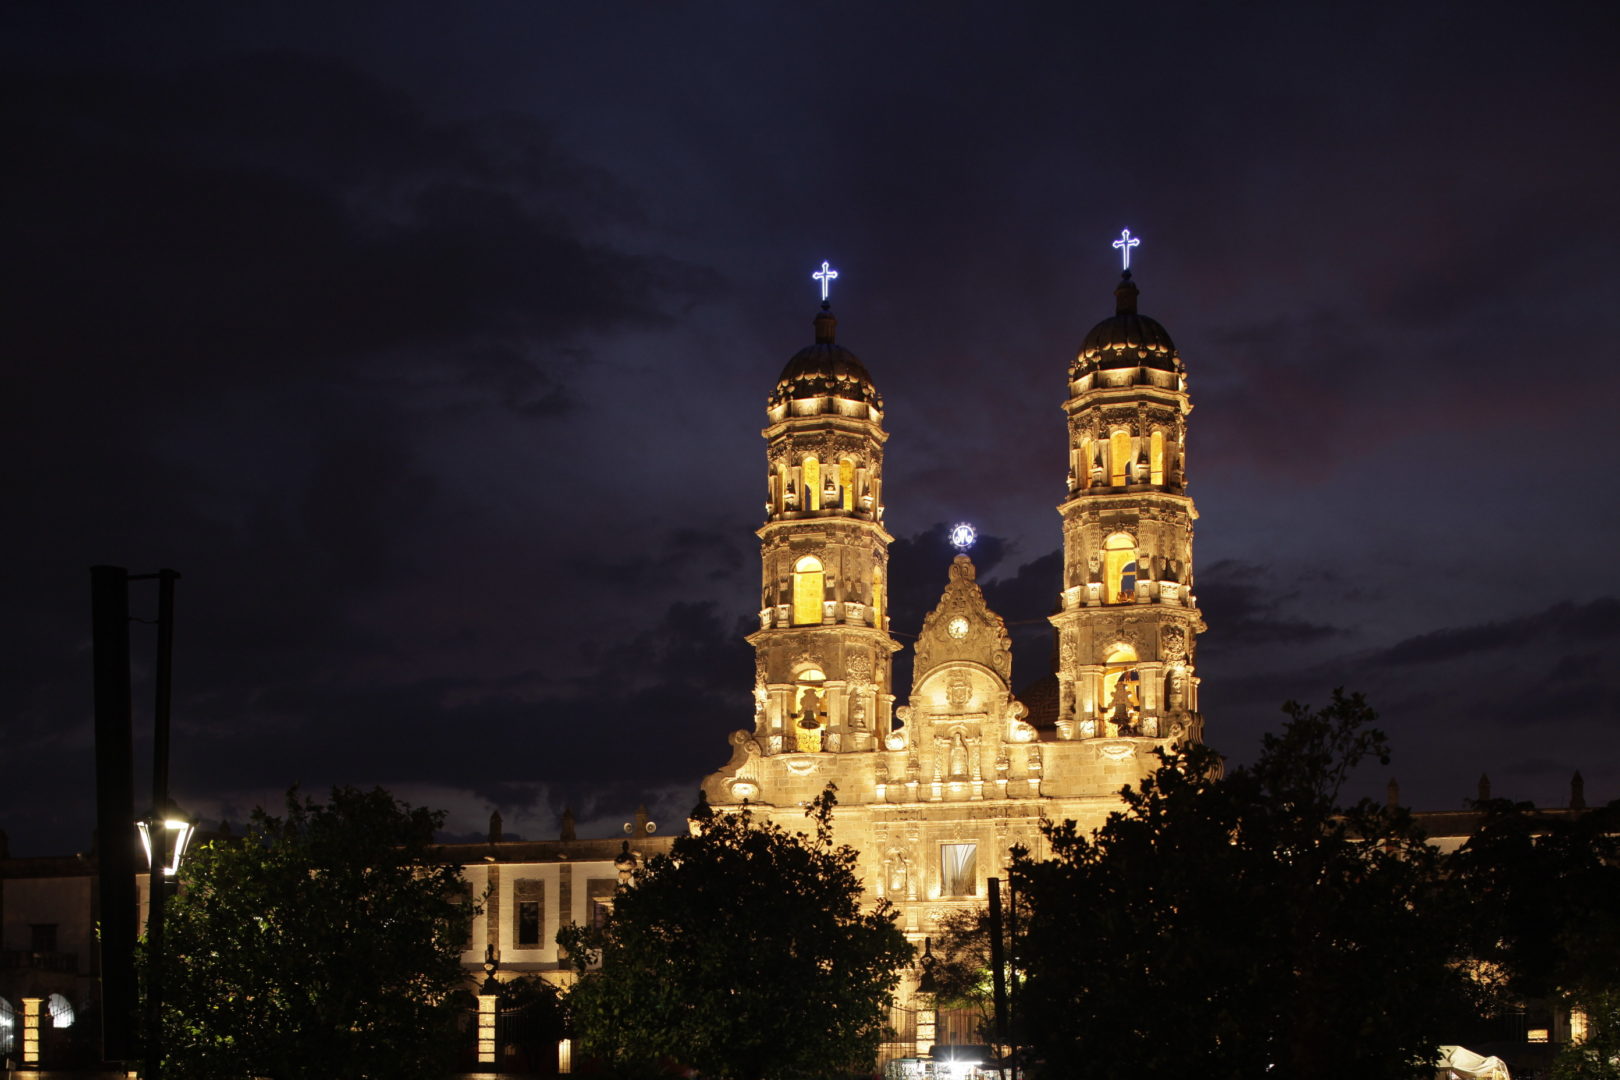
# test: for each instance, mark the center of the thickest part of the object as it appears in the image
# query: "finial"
(1125, 295)
(1484, 788)
(826, 326)
(1124, 244)
(1577, 792)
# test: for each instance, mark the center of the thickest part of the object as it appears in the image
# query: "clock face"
(957, 628)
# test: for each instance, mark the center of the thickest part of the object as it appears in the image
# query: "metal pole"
(1012, 970)
(115, 806)
(159, 829)
(998, 972)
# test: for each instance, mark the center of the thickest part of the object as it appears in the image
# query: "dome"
(1127, 340)
(825, 369)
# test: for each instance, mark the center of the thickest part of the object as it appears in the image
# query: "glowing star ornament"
(962, 536)
(1125, 242)
(825, 275)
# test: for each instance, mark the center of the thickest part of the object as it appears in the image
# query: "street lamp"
(177, 831)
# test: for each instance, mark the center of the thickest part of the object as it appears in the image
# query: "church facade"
(937, 783)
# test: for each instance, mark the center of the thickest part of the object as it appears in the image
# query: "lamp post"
(488, 1003)
(927, 1006)
(166, 824)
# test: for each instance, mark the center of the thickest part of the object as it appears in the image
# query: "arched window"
(782, 488)
(1157, 459)
(846, 481)
(1084, 467)
(1119, 569)
(812, 483)
(877, 597)
(1119, 458)
(1121, 662)
(9, 1022)
(61, 1010)
(809, 710)
(809, 584)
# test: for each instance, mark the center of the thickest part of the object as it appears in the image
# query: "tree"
(964, 964)
(744, 953)
(323, 943)
(1243, 924)
(1540, 893)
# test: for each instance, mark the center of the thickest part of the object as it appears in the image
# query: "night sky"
(431, 344)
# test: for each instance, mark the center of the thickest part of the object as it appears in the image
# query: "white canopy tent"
(1464, 1064)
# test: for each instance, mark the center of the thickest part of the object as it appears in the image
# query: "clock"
(957, 628)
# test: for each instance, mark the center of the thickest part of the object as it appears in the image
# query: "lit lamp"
(177, 833)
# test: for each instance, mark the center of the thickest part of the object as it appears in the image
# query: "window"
(529, 913)
(846, 480)
(1121, 662)
(528, 924)
(1119, 458)
(1156, 463)
(809, 584)
(43, 938)
(810, 711)
(958, 869)
(1086, 458)
(1119, 569)
(599, 901)
(812, 484)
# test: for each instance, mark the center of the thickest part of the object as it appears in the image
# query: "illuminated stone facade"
(935, 792)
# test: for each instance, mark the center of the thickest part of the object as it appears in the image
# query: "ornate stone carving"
(959, 689)
(859, 667)
(1173, 642)
(985, 638)
(858, 719)
(1175, 691)
(897, 875)
(808, 658)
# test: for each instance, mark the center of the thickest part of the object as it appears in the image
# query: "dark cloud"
(1243, 603)
(394, 330)
(1562, 625)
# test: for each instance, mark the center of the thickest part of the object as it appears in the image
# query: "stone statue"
(959, 756)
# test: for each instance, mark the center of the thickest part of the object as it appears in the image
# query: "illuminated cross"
(1125, 242)
(825, 275)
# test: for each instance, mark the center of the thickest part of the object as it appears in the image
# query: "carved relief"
(1175, 691)
(897, 877)
(808, 658)
(959, 689)
(859, 667)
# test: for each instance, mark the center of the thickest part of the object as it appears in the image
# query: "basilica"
(938, 781)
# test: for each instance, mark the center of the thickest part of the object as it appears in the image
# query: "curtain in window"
(958, 864)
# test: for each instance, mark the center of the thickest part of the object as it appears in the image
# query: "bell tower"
(822, 651)
(1128, 622)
